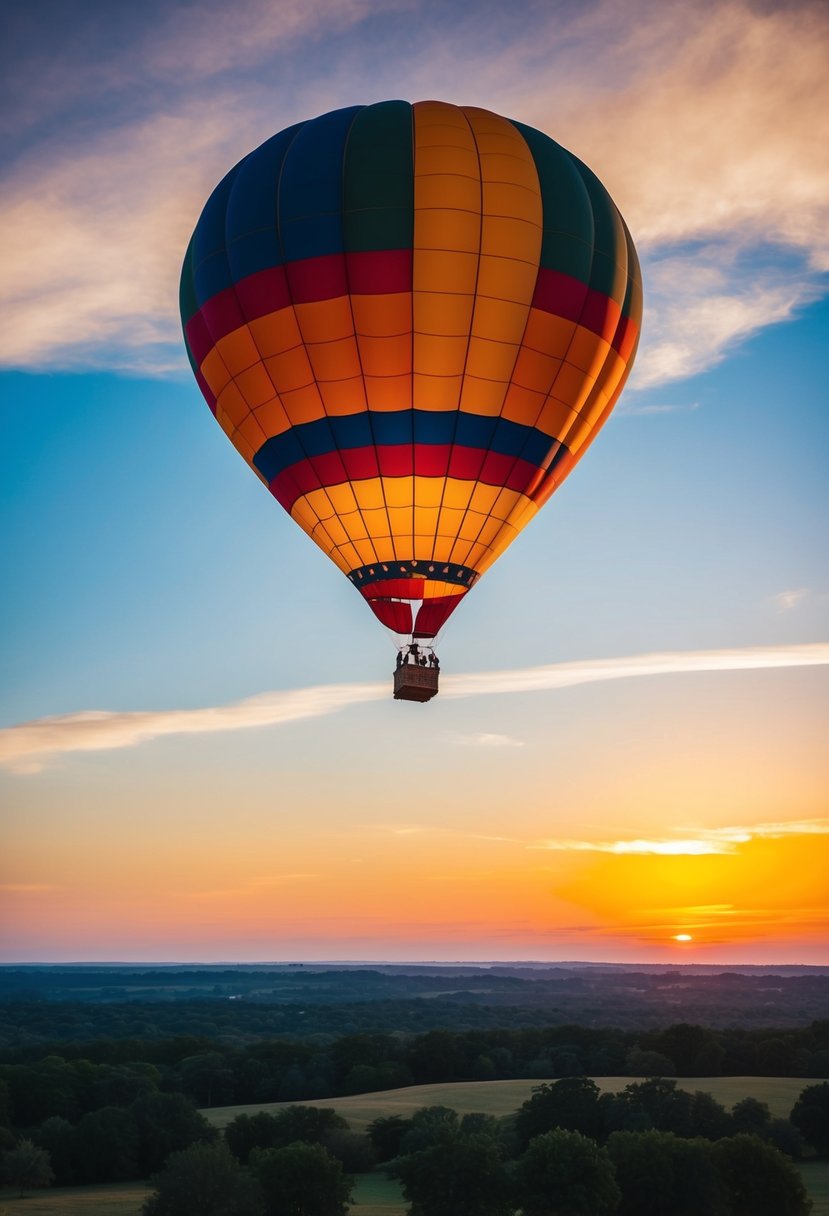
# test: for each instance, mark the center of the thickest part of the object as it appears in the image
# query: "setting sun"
(683, 937)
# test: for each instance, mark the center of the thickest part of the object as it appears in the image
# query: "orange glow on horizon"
(372, 892)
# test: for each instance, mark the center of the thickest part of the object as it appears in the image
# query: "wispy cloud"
(626, 410)
(23, 748)
(488, 740)
(786, 600)
(658, 848)
(703, 302)
(722, 136)
(710, 842)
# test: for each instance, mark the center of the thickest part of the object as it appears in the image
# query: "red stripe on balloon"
(315, 279)
(361, 464)
(559, 294)
(379, 272)
(304, 282)
(399, 588)
(563, 296)
(382, 273)
(263, 292)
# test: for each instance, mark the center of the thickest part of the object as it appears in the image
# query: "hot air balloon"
(411, 321)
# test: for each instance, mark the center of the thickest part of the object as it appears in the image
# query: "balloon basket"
(415, 683)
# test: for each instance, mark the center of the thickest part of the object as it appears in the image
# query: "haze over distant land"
(199, 755)
(386, 997)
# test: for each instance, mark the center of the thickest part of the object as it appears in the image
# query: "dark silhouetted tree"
(571, 1103)
(657, 1101)
(106, 1146)
(709, 1118)
(27, 1167)
(751, 1117)
(247, 1132)
(810, 1115)
(385, 1134)
(564, 1173)
(205, 1179)
(456, 1176)
(660, 1174)
(639, 1063)
(429, 1126)
(759, 1180)
(57, 1136)
(353, 1150)
(301, 1180)
(167, 1123)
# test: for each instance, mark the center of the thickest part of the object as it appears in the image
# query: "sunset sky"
(200, 758)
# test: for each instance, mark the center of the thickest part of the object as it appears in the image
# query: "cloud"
(23, 748)
(704, 302)
(710, 842)
(566, 675)
(488, 740)
(95, 244)
(632, 411)
(708, 126)
(713, 123)
(655, 848)
(787, 600)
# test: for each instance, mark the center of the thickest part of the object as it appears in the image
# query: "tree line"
(570, 1150)
(81, 1077)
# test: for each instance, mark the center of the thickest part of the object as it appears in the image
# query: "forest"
(113, 1075)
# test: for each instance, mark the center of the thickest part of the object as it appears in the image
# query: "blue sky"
(149, 571)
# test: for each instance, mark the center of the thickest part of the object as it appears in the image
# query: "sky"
(200, 758)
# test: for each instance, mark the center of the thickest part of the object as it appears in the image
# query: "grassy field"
(377, 1195)
(106, 1199)
(374, 1194)
(503, 1097)
(816, 1180)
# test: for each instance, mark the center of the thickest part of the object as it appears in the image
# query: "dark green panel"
(188, 303)
(610, 260)
(567, 255)
(632, 306)
(566, 206)
(378, 179)
(608, 276)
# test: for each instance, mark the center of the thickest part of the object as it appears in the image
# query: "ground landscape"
(82, 1048)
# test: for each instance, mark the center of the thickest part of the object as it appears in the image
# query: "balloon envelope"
(411, 321)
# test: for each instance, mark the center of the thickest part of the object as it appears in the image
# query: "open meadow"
(103, 1199)
(377, 1195)
(503, 1097)
(816, 1180)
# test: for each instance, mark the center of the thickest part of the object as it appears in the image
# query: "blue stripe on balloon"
(311, 187)
(211, 273)
(375, 428)
(250, 222)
